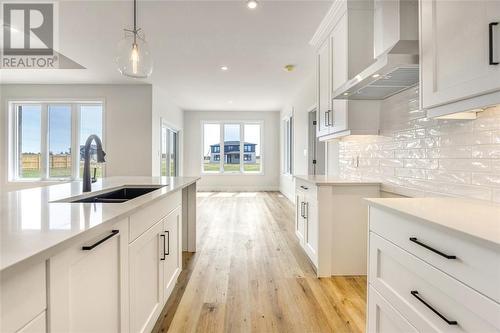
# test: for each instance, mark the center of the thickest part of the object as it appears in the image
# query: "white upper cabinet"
(344, 42)
(459, 55)
(323, 78)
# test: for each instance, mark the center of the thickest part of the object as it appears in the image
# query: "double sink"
(120, 195)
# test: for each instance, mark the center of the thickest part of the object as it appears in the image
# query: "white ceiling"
(189, 41)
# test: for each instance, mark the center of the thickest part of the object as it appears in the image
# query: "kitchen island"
(93, 266)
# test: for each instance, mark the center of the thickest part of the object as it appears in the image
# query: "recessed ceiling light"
(224, 68)
(230, 102)
(252, 4)
(375, 76)
(346, 94)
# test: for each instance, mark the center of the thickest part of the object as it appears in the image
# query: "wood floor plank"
(251, 275)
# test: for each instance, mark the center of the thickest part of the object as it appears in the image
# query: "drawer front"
(476, 265)
(407, 282)
(383, 318)
(150, 215)
(307, 188)
(22, 296)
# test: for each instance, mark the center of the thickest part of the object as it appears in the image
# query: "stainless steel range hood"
(396, 68)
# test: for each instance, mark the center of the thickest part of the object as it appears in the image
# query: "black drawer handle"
(415, 240)
(449, 322)
(303, 187)
(163, 236)
(491, 43)
(90, 247)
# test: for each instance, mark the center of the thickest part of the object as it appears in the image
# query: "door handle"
(90, 247)
(492, 43)
(326, 118)
(306, 210)
(302, 208)
(430, 307)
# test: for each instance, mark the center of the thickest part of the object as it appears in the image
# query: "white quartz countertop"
(32, 224)
(475, 218)
(333, 180)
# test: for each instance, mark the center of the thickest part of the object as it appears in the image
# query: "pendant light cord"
(135, 15)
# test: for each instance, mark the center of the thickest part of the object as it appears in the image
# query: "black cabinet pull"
(416, 295)
(306, 210)
(168, 243)
(163, 252)
(90, 247)
(302, 209)
(303, 187)
(326, 118)
(416, 241)
(491, 43)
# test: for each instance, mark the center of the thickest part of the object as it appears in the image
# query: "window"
(48, 139)
(242, 147)
(169, 149)
(288, 145)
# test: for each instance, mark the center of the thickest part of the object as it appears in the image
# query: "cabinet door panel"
(299, 219)
(340, 53)
(173, 250)
(86, 285)
(339, 110)
(311, 227)
(146, 279)
(455, 50)
(324, 77)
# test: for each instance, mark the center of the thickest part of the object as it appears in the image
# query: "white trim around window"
(75, 121)
(242, 124)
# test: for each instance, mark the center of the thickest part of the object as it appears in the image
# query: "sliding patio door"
(169, 151)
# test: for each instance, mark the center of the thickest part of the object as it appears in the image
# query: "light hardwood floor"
(250, 275)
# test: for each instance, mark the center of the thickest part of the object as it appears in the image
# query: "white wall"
(164, 108)
(269, 181)
(127, 127)
(299, 106)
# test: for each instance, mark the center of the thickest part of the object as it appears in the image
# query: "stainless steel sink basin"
(119, 195)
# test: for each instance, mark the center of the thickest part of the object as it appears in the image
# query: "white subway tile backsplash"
(421, 157)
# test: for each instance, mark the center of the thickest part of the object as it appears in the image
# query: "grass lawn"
(214, 167)
(58, 173)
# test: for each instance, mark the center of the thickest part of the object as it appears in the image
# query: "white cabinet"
(155, 264)
(345, 48)
(331, 224)
(146, 255)
(426, 273)
(173, 251)
(23, 298)
(87, 284)
(37, 325)
(457, 71)
(306, 222)
(383, 318)
(323, 76)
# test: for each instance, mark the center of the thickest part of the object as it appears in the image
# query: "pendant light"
(133, 57)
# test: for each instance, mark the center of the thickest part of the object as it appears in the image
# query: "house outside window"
(241, 151)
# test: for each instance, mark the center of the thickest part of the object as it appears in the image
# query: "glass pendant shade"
(133, 56)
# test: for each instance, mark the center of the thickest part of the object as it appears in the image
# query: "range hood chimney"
(396, 54)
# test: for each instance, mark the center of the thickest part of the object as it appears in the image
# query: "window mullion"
(44, 142)
(242, 146)
(222, 153)
(75, 145)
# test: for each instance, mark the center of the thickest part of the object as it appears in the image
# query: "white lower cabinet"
(427, 287)
(173, 252)
(306, 221)
(383, 318)
(37, 325)
(87, 284)
(146, 278)
(155, 264)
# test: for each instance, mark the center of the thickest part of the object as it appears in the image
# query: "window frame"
(242, 124)
(13, 137)
(176, 131)
(288, 145)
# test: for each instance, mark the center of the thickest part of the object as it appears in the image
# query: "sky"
(231, 133)
(59, 126)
